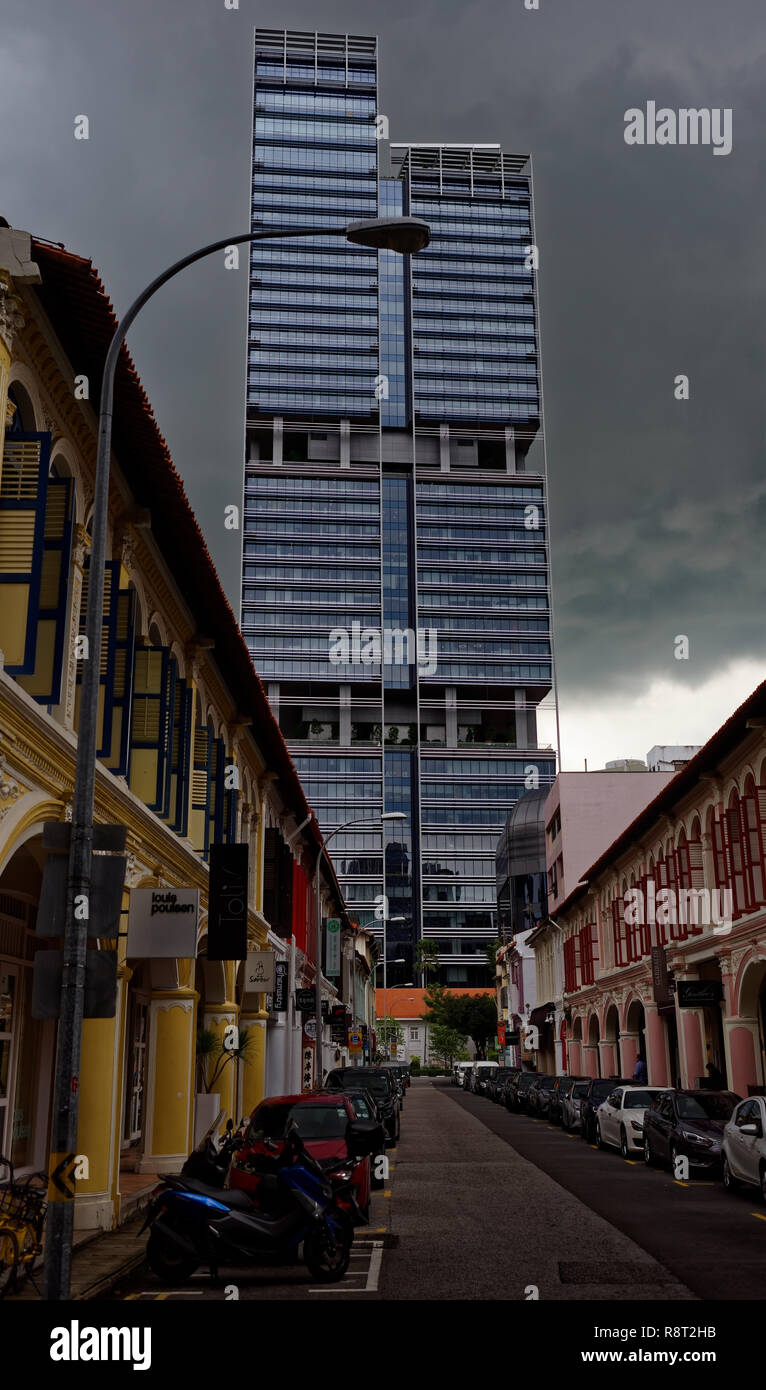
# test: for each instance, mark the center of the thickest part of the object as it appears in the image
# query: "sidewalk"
(98, 1263)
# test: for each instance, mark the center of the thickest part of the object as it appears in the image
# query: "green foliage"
(447, 1044)
(415, 1066)
(471, 1015)
(427, 957)
(213, 1056)
(492, 950)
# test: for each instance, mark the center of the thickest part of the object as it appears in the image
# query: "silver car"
(570, 1105)
(744, 1146)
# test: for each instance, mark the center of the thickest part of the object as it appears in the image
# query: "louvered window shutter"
(753, 835)
(116, 667)
(733, 832)
(36, 521)
(200, 788)
(180, 752)
(149, 725)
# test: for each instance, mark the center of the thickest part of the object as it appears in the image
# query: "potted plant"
(212, 1057)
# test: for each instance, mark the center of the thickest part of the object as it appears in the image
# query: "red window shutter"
(683, 863)
(753, 838)
(733, 842)
(618, 930)
(720, 863)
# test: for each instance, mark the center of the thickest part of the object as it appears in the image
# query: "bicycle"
(23, 1206)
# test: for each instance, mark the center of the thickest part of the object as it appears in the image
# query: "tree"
(434, 998)
(427, 957)
(447, 1045)
(474, 1015)
(492, 949)
(388, 1030)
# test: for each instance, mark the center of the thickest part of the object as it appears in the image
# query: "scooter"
(193, 1223)
(210, 1163)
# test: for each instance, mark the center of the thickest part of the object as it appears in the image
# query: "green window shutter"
(149, 725)
(215, 815)
(200, 788)
(180, 750)
(36, 523)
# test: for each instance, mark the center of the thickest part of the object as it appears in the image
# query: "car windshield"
(379, 1084)
(581, 1089)
(638, 1100)
(601, 1089)
(706, 1107)
(312, 1121)
(361, 1108)
(527, 1078)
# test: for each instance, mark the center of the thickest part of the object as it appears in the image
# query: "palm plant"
(212, 1051)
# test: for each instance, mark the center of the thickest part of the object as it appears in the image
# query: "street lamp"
(360, 820)
(402, 234)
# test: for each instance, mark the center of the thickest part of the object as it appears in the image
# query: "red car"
(321, 1120)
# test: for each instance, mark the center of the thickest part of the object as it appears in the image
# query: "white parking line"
(373, 1274)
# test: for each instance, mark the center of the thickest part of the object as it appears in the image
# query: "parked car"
(366, 1108)
(620, 1118)
(494, 1080)
(598, 1090)
(480, 1076)
(382, 1086)
(322, 1122)
(539, 1096)
(458, 1072)
(468, 1077)
(517, 1091)
(744, 1146)
(561, 1089)
(502, 1082)
(571, 1103)
(689, 1123)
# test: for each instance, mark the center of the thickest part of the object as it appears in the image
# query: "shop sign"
(259, 972)
(699, 994)
(355, 1041)
(660, 977)
(279, 997)
(307, 1081)
(163, 923)
(305, 1001)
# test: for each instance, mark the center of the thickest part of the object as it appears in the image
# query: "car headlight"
(637, 1124)
(696, 1139)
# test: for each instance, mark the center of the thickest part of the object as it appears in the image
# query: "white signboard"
(333, 946)
(259, 972)
(163, 922)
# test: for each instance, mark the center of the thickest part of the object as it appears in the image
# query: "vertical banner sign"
(279, 997)
(308, 1069)
(332, 937)
(501, 1033)
(227, 914)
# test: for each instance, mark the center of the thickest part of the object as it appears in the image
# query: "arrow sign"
(61, 1181)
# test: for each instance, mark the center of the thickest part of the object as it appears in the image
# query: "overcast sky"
(653, 264)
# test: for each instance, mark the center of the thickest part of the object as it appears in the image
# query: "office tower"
(395, 577)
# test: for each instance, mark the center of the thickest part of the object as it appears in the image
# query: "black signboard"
(227, 913)
(660, 978)
(279, 997)
(305, 1001)
(699, 994)
(513, 1038)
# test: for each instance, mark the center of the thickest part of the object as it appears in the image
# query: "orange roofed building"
(408, 1005)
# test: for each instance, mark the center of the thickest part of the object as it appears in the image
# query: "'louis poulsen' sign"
(163, 922)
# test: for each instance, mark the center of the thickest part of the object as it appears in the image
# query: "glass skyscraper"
(395, 591)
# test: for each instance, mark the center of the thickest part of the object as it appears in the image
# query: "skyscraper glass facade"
(395, 557)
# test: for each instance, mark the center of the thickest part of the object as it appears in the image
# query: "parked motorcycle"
(194, 1223)
(210, 1162)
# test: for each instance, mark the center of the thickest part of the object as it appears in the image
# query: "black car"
(381, 1085)
(690, 1124)
(504, 1080)
(495, 1081)
(517, 1091)
(598, 1090)
(401, 1073)
(560, 1091)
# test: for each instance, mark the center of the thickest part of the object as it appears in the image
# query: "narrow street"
(482, 1204)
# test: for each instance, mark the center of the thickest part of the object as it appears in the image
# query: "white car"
(620, 1118)
(744, 1147)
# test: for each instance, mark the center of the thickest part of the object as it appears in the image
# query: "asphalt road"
(482, 1204)
(714, 1242)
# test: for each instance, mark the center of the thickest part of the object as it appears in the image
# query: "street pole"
(399, 234)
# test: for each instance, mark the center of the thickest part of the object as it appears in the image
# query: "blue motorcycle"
(193, 1223)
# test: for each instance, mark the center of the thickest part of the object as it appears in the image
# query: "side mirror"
(752, 1128)
(363, 1137)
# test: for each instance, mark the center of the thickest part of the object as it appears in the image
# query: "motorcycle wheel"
(171, 1264)
(324, 1266)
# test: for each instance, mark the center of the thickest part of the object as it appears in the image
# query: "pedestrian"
(640, 1074)
(715, 1078)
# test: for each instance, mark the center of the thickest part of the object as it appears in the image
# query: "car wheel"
(623, 1142)
(729, 1180)
(648, 1155)
(763, 1182)
(599, 1141)
(673, 1155)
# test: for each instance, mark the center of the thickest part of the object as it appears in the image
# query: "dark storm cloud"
(652, 264)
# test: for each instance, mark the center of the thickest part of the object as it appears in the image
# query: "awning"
(539, 1015)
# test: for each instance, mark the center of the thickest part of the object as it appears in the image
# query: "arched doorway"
(634, 1038)
(747, 1031)
(611, 1043)
(592, 1049)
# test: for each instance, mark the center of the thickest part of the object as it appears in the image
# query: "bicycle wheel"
(29, 1247)
(9, 1259)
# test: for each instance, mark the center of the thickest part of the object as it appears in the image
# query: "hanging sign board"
(163, 922)
(259, 972)
(332, 938)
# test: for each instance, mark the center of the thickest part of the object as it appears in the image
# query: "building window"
(414, 1034)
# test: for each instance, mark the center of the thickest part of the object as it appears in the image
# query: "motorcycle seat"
(230, 1196)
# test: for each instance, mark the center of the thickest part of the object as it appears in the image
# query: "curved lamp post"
(403, 234)
(359, 820)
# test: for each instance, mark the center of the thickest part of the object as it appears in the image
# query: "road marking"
(632, 1162)
(375, 1262)
(758, 1215)
(387, 1193)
